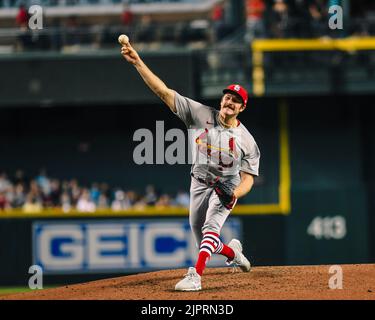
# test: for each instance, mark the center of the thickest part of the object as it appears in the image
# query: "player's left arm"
(247, 182)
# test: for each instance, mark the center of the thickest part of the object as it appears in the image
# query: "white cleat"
(239, 258)
(190, 282)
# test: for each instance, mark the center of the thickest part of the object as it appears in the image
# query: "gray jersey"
(216, 151)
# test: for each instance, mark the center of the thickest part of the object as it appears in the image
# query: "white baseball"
(123, 39)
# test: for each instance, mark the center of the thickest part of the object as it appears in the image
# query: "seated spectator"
(254, 20)
(4, 182)
(301, 20)
(72, 33)
(279, 19)
(95, 192)
(163, 202)
(4, 203)
(182, 199)
(24, 37)
(33, 204)
(74, 191)
(54, 196)
(85, 203)
(319, 14)
(146, 29)
(217, 21)
(103, 202)
(55, 34)
(121, 202)
(132, 197)
(44, 182)
(150, 197)
(139, 202)
(127, 16)
(66, 204)
(104, 189)
(19, 197)
(19, 177)
(22, 17)
(35, 190)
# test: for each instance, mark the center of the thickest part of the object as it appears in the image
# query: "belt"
(199, 179)
(210, 184)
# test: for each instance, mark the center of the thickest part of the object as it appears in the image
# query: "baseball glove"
(225, 194)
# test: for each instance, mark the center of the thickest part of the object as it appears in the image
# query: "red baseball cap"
(238, 90)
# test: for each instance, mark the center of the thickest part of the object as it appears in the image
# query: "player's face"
(231, 105)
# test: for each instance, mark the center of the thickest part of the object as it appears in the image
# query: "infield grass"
(13, 290)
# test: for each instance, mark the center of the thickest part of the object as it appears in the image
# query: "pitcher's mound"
(292, 282)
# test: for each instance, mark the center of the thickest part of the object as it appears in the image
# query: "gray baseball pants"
(206, 211)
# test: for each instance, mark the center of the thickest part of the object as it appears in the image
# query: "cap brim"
(235, 93)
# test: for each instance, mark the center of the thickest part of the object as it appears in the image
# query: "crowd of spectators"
(35, 194)
(52, 3)
(304, 19)
(259, 18)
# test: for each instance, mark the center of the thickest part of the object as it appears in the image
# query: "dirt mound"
(276, 283)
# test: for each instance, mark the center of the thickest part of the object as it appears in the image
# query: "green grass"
(12, 290)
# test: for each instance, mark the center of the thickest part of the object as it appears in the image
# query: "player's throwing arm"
(154, 83)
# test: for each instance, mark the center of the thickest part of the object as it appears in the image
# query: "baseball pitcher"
(225, 160)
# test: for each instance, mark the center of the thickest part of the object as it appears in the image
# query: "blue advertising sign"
(119, 246)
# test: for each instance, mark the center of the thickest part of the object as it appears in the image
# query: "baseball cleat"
(239, 258)
(190, 282)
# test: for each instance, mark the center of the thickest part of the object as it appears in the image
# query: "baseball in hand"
(123, 39)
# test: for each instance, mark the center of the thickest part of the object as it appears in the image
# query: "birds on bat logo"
(225, 156)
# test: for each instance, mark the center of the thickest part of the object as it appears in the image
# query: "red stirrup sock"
(227, 251)
(222, 248)
(206, 249)
(210, 244)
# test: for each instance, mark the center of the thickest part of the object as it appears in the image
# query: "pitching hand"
(130, 54)
(225, 194)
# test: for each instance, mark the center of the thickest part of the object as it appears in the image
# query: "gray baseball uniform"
(216, 152)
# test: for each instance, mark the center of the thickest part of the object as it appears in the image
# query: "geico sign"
(118, 245)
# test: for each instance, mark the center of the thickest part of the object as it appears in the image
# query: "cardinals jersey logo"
(225, 156)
